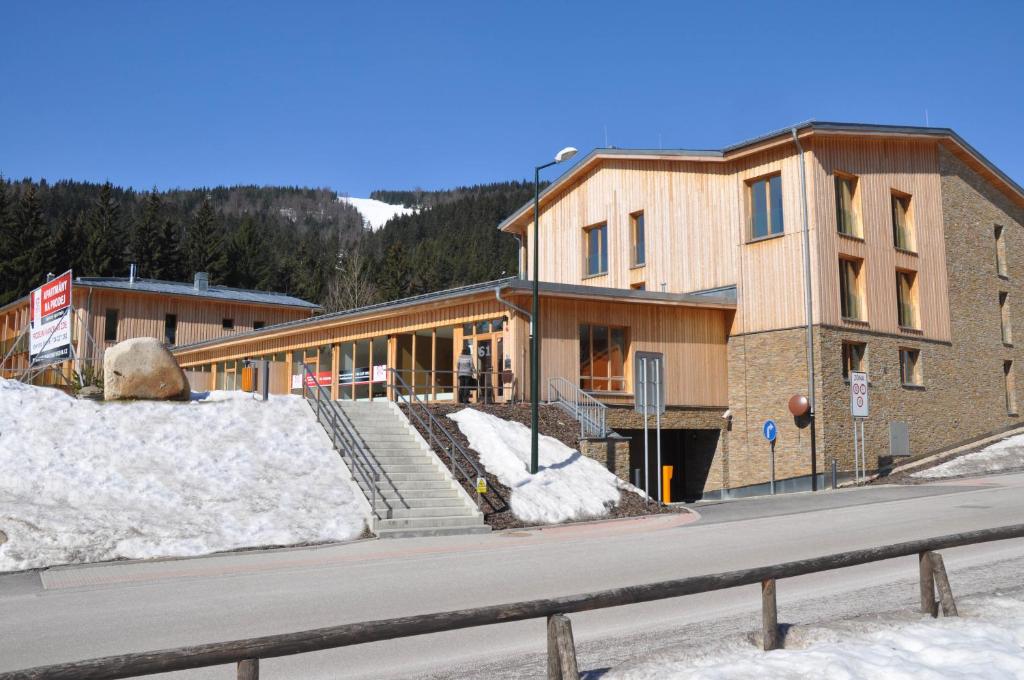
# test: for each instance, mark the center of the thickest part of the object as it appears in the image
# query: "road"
(79, 612)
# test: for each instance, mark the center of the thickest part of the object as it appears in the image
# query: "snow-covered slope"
(568, 485)
(1007, 454)
(375, 213)
(87, 481)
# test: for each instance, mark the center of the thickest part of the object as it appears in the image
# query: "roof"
(742, 148)
(718, 298)
(256, 297)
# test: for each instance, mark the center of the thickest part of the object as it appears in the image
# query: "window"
(637, 239)
(764, 205)
(256, 325)
(602, 358)
(1004, 318)
(902, 228)
(1011, 390)
(170, 328)
(851, 295)
(910, 367)
(1001, 268)
(853, 357)
(110, 326)
(227, 324)
(847, 210)
(596, 240)
(906, 299)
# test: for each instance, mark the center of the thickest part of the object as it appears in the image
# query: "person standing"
(465, 371)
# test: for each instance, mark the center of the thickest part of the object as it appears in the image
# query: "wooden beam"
(561, 649)
(927, 585)
(249, 669)
(942, 582)
(769, 616)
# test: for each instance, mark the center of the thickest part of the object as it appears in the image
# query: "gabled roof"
(956, 142)
(241, 295)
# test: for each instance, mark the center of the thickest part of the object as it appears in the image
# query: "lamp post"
(563, 155)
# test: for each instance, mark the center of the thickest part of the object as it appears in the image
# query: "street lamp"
(563, 155)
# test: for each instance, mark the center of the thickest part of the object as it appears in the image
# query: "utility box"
(899, 439)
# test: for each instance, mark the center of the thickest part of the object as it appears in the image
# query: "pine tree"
(169, 265)
(251, 255)
(394, 274)
(147, 247)
(204, 247)
(66, 245)
(103, 248)
(31, 245)
(10, 247)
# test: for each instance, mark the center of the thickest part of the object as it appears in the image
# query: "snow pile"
(376, 213)
(989, 644)
(1007, 454)
(567, 486)
(85, 481)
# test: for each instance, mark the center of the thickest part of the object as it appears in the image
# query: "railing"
(462, 465)
(588, 411)
(484, 387)
(561, 650)
(346, 440)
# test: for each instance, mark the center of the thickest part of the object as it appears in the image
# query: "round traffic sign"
(770, 430)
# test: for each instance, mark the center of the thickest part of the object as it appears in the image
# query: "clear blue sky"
(358, 96)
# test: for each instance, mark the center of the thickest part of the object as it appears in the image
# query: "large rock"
(142, 368)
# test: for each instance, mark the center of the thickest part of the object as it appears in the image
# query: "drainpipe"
(809, 313)
(519, 255)
(509, 303)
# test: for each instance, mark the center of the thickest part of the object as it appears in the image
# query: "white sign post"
(859, 411)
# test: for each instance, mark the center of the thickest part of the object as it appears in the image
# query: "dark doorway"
(689, 452)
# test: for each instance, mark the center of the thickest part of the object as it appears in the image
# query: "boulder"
(142, 368)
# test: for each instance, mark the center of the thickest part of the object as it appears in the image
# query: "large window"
(902, 227)
(764, 203)
(110, 326)
(851, 294)
(1001, 268)
(910, 367)
(595, 239)
(847, 210)
(170, 328)
(638, 246)
(853, 357)
(602, 358)
(906, 300)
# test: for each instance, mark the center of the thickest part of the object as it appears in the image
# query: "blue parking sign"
(770, 430)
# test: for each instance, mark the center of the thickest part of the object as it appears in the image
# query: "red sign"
(322, 377)
(50, 321)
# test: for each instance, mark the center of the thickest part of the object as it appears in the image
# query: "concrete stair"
(416, 495)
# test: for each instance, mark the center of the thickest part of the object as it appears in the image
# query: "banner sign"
(50, 321)
(361, 376)
(323, 378)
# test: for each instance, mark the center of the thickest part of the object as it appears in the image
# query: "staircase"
(415, 494)
(589, 412)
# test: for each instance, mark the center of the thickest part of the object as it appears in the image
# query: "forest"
(299, 241)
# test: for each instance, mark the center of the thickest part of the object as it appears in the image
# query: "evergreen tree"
(104, 251)
(168, 265)
(66, 245)
(394, 274)
(251, 256)
(204, 248)
(147, 247)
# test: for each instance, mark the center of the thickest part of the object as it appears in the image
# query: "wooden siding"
(882, 166)
(692, 340)
(143, 315)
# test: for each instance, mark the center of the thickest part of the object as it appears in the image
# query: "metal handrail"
(346, 440)
(458, 456)
(487, 381)
(590, 412)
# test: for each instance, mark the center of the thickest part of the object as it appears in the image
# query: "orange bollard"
(666, 483)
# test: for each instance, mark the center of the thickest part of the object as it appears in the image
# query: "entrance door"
(484, 371)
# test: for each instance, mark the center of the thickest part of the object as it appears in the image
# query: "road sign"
(770, 430)
(859, 394)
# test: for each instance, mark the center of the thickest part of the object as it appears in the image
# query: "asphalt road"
(73, 613)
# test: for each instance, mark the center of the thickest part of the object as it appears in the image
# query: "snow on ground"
(986, 642)
(86, 481)
(567, 486)
(376, 213)
(1007, 454)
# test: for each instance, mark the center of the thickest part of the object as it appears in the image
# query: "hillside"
(300, 241)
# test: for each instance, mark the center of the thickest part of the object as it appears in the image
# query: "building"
(108, 310)
(699, 255)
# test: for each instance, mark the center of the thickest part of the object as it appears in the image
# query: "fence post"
(249, 669)
(561, 649)
(769, 616)
(927, 585)
(942, 581)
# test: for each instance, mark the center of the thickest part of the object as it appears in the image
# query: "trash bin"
(666, 483)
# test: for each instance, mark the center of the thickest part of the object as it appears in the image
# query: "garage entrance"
(689, 452)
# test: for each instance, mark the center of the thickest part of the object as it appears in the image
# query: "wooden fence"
(561, 649)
